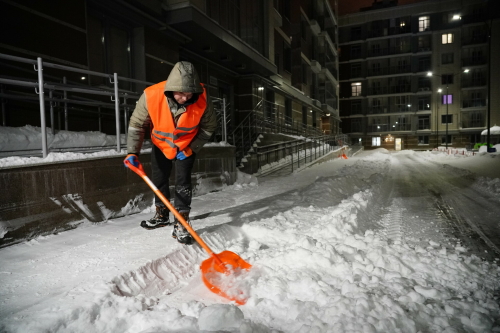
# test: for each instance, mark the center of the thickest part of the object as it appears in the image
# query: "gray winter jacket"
(183, 78)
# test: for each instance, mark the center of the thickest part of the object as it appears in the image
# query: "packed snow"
(380, 242)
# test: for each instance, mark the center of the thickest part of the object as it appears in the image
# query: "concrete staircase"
(249, 164)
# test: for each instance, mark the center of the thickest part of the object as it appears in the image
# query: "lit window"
(424, 23)
(356, 89)
(447, 38)
(376, 141)
(447, 99)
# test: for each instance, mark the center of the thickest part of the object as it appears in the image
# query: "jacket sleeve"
(208, 125)
(139, 123)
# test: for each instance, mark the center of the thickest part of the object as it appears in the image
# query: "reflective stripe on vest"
(165, 135)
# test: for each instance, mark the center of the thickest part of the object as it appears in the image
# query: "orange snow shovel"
(218, 266)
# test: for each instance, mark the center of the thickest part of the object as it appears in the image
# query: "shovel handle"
(140, 171)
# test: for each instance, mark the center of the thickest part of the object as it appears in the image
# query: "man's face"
(182, 97)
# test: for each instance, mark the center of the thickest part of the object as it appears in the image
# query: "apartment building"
(276, 58)
(418, 76)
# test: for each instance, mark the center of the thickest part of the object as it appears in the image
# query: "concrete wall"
(49, 198)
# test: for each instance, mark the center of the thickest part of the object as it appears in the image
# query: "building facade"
(276, 58)
(418, 76)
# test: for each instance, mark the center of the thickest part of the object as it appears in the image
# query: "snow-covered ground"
(381, 242)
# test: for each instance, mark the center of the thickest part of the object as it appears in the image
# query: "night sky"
(353, 6)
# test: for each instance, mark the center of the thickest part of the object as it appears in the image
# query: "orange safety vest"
(165, 134)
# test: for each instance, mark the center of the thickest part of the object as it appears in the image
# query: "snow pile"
(312, 272)
(495, 130)
(30, 137)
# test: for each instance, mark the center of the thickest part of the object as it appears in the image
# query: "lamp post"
(437, 119)
(447, 97)
(488, 123)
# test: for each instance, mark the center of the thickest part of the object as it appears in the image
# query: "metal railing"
(41, 86)
(255, 123)
(295, 153)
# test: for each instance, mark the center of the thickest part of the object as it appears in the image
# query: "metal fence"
(41, 86)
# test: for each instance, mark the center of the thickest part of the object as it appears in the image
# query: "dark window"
(445, 139)
(423, 139)
(355, 70)
(424, 43)
(287, 58)
(304, 115)
(446, 58)
(304, 72)
(424, 103)
(447, 79)
(252, 23)
(424, 123)
(356, 107)
(424, 64)
(447, 119)
(355, 51)
(277, 61)
(355, 33)
(356, 125)
(288, 111)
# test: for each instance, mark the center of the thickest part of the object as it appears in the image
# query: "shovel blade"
(219, 273)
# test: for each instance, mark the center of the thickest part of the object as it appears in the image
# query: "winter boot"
(180, 233)
(159, 220)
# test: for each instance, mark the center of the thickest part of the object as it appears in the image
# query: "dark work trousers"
(162, 168)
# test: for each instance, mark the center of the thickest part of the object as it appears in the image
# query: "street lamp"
(447, 97)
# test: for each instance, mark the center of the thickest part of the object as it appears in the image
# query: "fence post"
(42, 107)
(117, 113)
(51, 113)
(4, 110)
(65, 95)
(99, 118)
(224, 128)
(125, 116)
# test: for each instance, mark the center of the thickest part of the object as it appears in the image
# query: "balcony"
(478, 39)
(378, 109)
(479, 82)
(380, 52)
(401, 127)
(473, 61)
(389, 128)
(390, 70)
(473, 123)
(424, 49)
(424, 88)
(390, 90)
(379, 128)
(377, 33)
(400, 30)
(473, 103)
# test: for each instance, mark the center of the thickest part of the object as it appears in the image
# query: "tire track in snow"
(392, 222)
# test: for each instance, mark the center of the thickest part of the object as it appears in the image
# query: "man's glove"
(184, 154)
(132, 159)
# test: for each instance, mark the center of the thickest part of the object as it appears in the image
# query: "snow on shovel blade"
(221, 272)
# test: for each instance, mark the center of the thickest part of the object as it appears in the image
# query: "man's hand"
(132, 159)
(184, 154)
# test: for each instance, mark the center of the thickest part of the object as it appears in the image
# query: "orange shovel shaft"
(174, 211)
